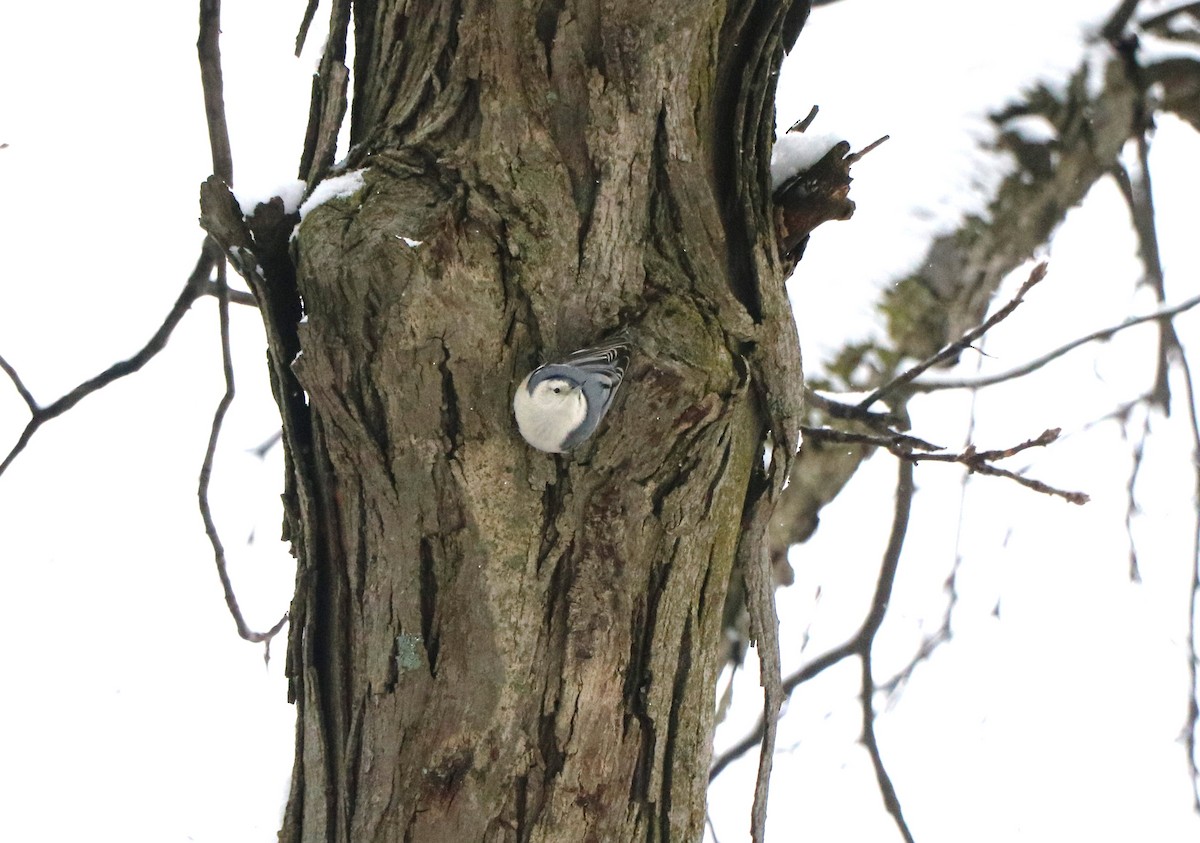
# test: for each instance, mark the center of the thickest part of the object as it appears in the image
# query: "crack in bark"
(702, 602)
(678, 692)
(736, 142)
(551, 506)
(719, 475)
(352, 760)
(553, 756)
(451, 423)
(429, 595)
(329, 641)
(361, 539)
(638, 677)
(522, 828)
(546, 27)
(663, 205)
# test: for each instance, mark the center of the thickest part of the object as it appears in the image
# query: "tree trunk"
(489, 642)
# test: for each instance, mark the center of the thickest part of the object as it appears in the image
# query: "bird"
(560, 404)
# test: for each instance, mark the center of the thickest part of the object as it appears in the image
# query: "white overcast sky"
(134, 713)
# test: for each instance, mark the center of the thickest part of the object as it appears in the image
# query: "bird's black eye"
(557, 390)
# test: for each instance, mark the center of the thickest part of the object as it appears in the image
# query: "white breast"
(546, 418)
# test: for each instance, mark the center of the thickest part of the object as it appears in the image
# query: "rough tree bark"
(487, 642)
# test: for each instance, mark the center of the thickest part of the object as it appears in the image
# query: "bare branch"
(900, 444)
(263, 448)
(208, 47)
(1193, 710)
(1114, 27)
(886, 789)
(839, 410)
(25, 394)
(1078, 498)
(210, 527)
(1034, 365)
(1136, 189)
(803, 123)
(971, 457)
(1131, 508)
(235, 296)
(310, 11)
(1161, 18)
(978, 462)
(957, 347)
(854, 157)
(810, 671)
(191, 291)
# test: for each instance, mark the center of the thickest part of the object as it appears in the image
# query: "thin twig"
(978, 462)
(711, 828)
(1078, 498)
(1034, 365)
(191, 291)
(210, 527)
(879, 604)
(836, 409)
(241, 297)
(970, 456)
(886, 789)
(1131, 507)
(803, 123)
(900, 444)
(310, 12)
(929, 643)
(1138, 192)
(22, 390)
(810, 671)
(1162, 17)
(858, 156)
(960, 345)
(263, 448)
(209, 50)
(1193, 710)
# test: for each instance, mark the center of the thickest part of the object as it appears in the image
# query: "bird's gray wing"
(610, 357)
(602, 368)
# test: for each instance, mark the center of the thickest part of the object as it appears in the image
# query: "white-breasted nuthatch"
(558, 405)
